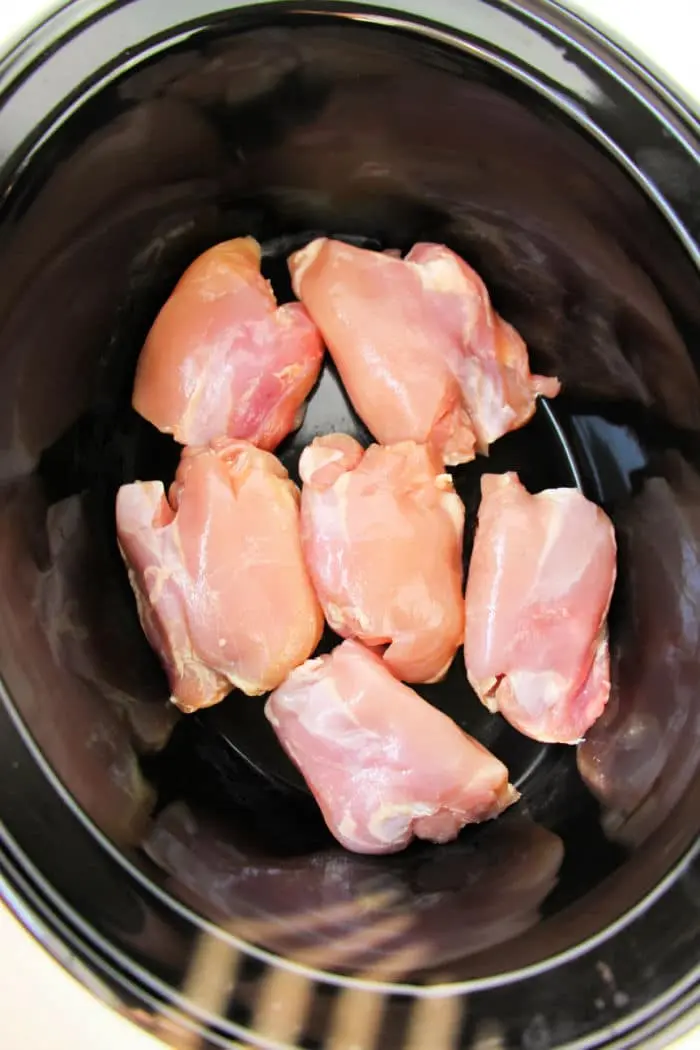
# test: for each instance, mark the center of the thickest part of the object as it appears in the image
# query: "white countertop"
(41, 1006)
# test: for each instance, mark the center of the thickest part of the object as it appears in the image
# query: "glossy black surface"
(137, 138)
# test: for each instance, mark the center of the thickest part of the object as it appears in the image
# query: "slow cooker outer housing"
(638, 977)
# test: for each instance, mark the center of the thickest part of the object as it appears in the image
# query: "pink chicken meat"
(218, 572)
(222, 359)
(383, 764)
(382, 535)
(540, 581)
(421, 351)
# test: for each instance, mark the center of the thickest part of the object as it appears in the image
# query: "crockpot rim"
(26, 46)
(18, 62)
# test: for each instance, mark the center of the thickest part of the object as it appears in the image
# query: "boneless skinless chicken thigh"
(217, 569)
(421, 351)
(383, 764)
(382, 535)
(232, 576)
(222, 359)
(540, 581)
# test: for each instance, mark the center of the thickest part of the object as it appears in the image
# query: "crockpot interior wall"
(372, 134)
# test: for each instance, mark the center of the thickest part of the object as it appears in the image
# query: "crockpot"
(187, 878)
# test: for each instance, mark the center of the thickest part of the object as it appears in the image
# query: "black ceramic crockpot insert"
(191, 885)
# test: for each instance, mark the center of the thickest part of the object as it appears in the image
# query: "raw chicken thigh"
(223, 359)
(486, 354)
(421, 352)
(382, 536)
(218, 572)
(383, 764)
(540, 582)
(387, 343)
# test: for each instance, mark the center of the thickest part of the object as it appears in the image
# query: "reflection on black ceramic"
(86, 610)
(642, 754)
(83, 734)
(344, 912)
(281, 127)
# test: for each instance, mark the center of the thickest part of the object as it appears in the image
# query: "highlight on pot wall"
(181, 858)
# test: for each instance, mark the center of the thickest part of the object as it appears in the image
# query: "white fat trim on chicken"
(392, 822)
(302, 260)
(538, 691)
(440, 274)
